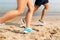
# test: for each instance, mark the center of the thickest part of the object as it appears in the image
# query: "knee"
(20, 11)
(46, 7)
(31, 9)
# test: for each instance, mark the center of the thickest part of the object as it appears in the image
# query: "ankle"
(41, 19)
(28, 27)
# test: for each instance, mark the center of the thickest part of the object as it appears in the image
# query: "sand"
(12, 31)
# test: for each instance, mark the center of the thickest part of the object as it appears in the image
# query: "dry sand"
(12, 31)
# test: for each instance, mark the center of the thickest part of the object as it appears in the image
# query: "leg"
(21, 4)
(36, 7)
(29, 13)
(31, 9)
(46, 6)
(37, 4)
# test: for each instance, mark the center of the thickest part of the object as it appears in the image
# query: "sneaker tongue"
(30, 28)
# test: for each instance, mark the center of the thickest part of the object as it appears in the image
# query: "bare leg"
(46, 6)
(21, 4)
(36, 7)
(29, 13)
(31, 10)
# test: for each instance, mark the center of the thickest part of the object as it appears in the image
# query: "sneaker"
(1, 25)
(42, 23)
(23, 22)
(28, 30)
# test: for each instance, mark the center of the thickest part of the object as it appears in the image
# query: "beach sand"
(12, 31)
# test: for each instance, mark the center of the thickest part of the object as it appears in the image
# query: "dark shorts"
(41, 2)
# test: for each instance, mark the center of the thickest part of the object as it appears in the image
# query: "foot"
(23, 22)
(1, 25)
(28, 30)
(40, 22)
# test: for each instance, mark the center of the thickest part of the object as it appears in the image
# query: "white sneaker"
(23, 22)
(43, 23)
(1, 25)
(40, 22)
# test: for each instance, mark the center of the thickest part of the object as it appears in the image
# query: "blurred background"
(6, 5)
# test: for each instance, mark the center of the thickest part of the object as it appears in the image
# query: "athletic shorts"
(41, 2)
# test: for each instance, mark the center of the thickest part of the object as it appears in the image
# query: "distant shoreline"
(36, 14)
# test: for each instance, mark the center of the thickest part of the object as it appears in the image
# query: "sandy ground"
(12, 31)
